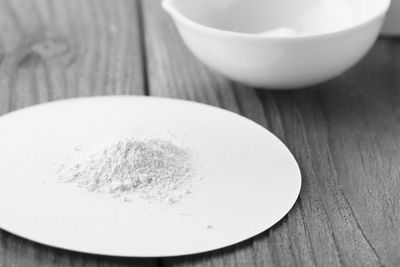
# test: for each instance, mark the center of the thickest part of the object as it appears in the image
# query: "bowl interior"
(284, 16)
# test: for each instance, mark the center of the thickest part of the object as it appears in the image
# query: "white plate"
(250, 180)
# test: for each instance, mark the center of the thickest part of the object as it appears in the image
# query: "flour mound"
(154, 169)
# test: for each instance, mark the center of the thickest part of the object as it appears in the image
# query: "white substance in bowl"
(254, 16)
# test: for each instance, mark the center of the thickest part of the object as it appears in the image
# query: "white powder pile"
(154, 169)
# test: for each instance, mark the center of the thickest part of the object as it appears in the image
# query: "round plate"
(246, 181)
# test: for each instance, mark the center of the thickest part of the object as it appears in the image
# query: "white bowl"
(278, 44)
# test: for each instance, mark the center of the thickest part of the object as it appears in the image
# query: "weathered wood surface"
(345, 133)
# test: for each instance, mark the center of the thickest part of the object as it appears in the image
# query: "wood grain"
(345, 135)
(58, 49)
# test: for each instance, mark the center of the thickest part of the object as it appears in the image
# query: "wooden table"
(345, 133)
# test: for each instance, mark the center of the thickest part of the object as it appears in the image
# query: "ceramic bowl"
(278, 44)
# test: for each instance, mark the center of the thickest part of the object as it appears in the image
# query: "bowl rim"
(174, 13)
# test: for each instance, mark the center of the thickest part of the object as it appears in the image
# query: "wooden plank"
(345, 135)
(173, 72)
(362, 132)
(58, 49)
(53, 49)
